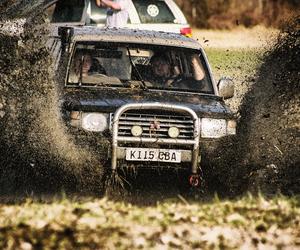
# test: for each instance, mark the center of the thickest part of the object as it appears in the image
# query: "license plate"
(153, 154)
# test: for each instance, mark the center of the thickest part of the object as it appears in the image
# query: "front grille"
(183, 122)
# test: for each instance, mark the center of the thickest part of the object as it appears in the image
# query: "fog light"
(136, 130)
(173, 132)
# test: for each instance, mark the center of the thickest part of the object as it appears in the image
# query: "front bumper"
(118, 151)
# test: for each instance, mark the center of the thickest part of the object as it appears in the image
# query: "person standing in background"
(117, 12)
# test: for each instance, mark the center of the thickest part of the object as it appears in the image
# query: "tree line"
(226, 14)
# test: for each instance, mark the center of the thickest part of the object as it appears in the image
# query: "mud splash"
(274, 110)
(36, 152)
(265, 156)
(12, 9)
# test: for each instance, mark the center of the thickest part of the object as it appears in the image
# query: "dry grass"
(257, 37)
(248, 223)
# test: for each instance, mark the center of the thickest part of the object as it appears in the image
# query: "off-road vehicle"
(110, 92)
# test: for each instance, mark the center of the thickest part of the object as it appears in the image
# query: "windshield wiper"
(136, 70)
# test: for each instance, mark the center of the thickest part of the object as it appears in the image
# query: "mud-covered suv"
(112, 92)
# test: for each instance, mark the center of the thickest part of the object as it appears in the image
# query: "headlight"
(213, 128)
(96, 122)
(216, 128)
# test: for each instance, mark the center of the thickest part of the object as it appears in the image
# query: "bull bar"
(162, 106)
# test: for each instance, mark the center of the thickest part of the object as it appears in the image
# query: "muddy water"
(36, 151)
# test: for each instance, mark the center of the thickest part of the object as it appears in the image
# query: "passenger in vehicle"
(88, 65)
(81, 62)
(117, 12)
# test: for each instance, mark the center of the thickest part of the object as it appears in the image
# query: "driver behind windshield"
(82, 64)
(163, 73)
(161, 70)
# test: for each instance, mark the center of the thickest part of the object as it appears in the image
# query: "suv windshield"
(98, 64)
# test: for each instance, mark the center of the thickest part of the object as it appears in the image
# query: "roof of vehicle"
(134, 36)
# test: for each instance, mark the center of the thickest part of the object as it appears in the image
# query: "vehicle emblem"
(154, 126)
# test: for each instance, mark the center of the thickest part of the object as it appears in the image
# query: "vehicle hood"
(109, 100)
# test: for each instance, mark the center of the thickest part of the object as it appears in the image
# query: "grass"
(236, 63)
(101, 223)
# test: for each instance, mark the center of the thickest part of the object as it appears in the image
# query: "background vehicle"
(159, 15)
(142, 121)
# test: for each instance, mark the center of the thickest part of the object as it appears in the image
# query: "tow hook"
(194, 180)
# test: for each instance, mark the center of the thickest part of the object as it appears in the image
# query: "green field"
(235, 63)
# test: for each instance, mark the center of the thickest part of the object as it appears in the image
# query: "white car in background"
(157, 15)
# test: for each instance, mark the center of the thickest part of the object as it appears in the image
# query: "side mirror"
(226, 87)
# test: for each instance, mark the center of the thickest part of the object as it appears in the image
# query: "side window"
(65, 11)
(153, 11)
(92, 63)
